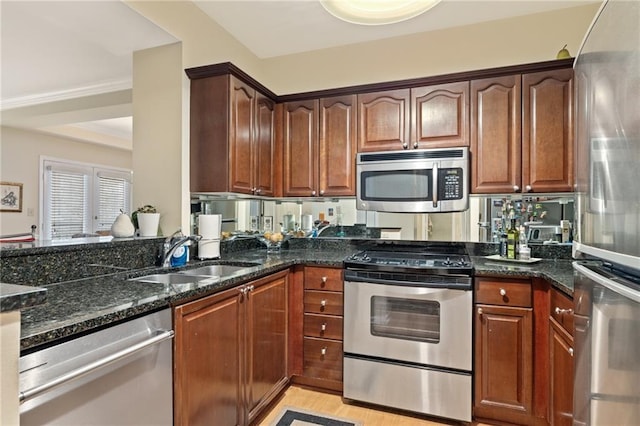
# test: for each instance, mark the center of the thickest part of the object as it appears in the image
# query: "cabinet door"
(440, 115)
(547, 137)
(268, 164)
(496, 135)
(242, 106)
(300, 133)
(208, 344)
(266, 341)
(561, 373)
(503, 364)
(337, 150)
(383, 120)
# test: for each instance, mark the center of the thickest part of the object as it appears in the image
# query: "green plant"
(147, 208)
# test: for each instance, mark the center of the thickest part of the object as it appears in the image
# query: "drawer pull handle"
(324, 279)
(503, 292)
(323, 303)
(559, 311)
(323, 351)
(324, 326)
(571, 351)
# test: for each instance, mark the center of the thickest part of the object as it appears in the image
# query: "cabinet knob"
(559, 311)
(415, 145)
(516, 188)
(479, 311)
(324, 280)
(313, 193)
(571, 351)
(323, 303)
(258, 190)
(528, 188)
(322, 192)
(503, 292)
(323, 327)
(405, 145)
(323, 351)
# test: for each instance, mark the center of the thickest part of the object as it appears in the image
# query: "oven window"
(407, 319)
(397, 185)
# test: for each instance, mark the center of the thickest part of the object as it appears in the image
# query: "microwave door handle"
(435, 185)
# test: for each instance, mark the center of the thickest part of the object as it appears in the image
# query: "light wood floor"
(331, 404)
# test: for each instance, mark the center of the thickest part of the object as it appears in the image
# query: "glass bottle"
(513, 241)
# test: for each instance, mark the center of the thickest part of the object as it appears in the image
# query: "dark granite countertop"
(82, 305)
(86, 304)
(15, 297)
(558, 272)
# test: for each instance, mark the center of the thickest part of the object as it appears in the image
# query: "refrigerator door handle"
(621, 289)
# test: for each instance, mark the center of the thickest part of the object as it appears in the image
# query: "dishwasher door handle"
(95, 365)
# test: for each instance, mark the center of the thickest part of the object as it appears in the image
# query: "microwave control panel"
(450, 183)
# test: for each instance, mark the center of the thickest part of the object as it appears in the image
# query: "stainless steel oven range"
(407, 328)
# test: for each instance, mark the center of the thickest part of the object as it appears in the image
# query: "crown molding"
(61, 95)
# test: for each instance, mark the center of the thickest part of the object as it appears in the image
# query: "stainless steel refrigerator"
(607, 219)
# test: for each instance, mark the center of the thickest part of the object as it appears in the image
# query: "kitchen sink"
(216, 270)
(176, 281)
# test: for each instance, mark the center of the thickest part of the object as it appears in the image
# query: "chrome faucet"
(172, 242)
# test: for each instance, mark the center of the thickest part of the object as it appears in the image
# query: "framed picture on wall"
(10, 197)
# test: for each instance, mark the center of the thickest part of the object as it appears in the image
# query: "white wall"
(160, 157)
(21, 151)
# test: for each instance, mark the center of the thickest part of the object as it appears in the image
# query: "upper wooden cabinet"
(233, 146)
(547, 131)
(383, 120)
(440, 115)
(496, 149)
(423, 117)
(319, 138)
(522, 133)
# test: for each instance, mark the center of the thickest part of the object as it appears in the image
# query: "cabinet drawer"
(323, 302)
(325, 326)
(316, 278)
(510, 292)
(562, 310)
(322, 359)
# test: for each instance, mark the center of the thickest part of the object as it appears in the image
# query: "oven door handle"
(96, 365)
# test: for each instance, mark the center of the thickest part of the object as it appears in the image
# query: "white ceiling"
(56, 51)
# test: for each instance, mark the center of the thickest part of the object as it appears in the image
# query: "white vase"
(148, 224)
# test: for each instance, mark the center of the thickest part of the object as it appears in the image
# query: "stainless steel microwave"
(415, 181)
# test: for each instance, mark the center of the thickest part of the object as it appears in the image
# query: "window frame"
(93, 172)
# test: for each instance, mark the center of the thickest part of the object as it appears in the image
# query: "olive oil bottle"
(513, 240)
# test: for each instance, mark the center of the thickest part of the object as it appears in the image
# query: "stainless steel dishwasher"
(121, 375)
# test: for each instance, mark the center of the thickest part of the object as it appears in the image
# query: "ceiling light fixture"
(377, 12)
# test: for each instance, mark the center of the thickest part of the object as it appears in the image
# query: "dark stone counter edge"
(110, 318)
(14, 297)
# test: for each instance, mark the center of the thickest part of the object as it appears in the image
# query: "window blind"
(80, 199)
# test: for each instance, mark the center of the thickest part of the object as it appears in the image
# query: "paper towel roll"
(208, 249)
(209, 226)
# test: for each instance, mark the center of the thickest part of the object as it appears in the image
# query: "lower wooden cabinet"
(560, 360)
(316, 333)
(231, 353)
(503, 367)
